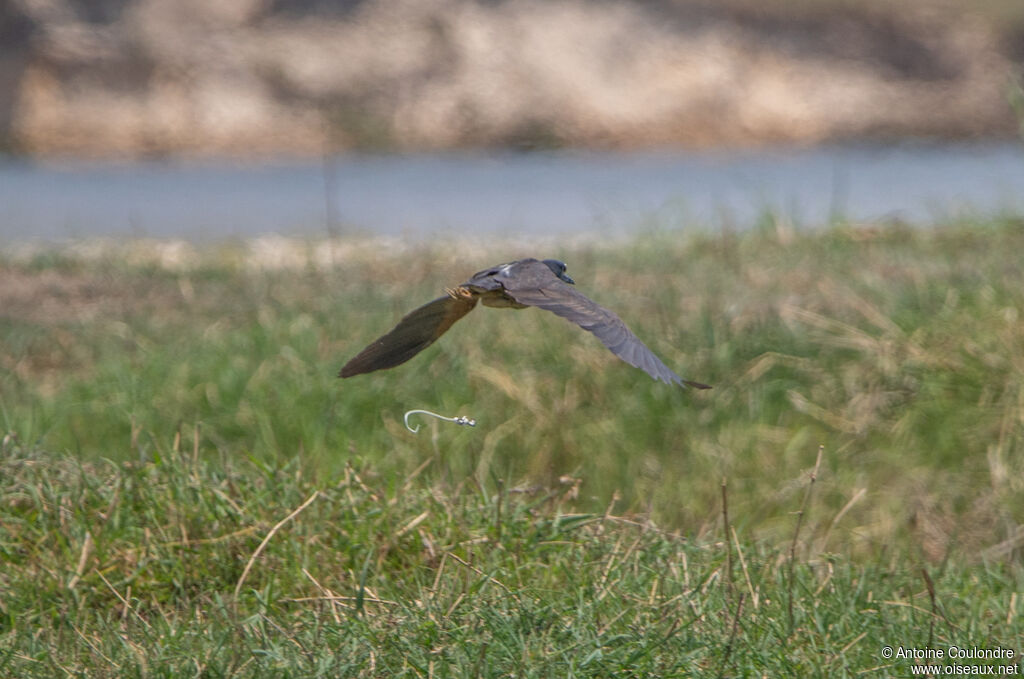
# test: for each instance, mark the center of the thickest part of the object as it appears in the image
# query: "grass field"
(186, 489)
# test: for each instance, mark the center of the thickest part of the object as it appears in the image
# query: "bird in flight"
(523, 283)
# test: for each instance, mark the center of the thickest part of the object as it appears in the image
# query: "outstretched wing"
(415, 332)
(534, 284)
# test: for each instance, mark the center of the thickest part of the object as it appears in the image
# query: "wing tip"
(676, 379)
(350, 369)
(695, 385)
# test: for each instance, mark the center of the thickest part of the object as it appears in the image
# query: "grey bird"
(523, 283)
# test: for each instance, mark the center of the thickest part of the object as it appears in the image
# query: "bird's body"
(519, 284)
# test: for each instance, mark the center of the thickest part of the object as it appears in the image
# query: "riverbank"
(247, 78)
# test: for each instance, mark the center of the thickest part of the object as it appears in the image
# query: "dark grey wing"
(535, 288)
(414, 333)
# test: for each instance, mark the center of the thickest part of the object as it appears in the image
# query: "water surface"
(518, 194)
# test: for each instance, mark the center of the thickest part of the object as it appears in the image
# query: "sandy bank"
(239, 77)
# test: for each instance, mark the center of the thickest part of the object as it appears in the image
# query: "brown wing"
(414, 333)
(529, 284)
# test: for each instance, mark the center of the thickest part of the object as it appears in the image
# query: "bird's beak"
(565, 277)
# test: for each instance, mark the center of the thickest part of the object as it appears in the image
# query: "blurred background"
(208, 206)
(201, 120)
(811, 205)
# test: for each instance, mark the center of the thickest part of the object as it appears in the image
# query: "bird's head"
(558, 268)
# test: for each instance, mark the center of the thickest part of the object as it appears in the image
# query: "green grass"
(175, 415)
(128, 569)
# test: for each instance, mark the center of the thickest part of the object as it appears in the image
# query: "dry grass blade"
(796, 536)
(726, 528)
(479, 572)
(861, 492)
(263, 544)
(83, 559)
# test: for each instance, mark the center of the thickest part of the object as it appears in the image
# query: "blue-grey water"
(514, 194)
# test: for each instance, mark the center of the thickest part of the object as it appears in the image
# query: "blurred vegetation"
(186, 489)
(900, 350)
